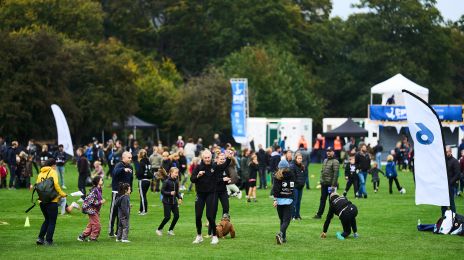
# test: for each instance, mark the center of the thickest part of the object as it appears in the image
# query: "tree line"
(169, 61)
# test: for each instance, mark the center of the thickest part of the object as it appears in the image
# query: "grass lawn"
(386, 225)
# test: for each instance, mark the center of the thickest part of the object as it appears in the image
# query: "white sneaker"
(63, 187)
(118, 240)
(125, 241)
(159, 232)
(403, 191)
(239, 196)
(75, 205)
(171, 233)
(215, 240)
(198, 240)
(80, 200)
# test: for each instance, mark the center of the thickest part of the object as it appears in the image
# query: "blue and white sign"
(238, 115)
(429, 154)
(398, 113)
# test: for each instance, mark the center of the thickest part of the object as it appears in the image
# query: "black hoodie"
(209, 180)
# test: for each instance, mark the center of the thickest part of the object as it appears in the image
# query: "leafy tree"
(203, 106)
(92, 84)
(278, 85)
(78, 19)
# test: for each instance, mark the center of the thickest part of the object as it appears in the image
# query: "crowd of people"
(217, 172)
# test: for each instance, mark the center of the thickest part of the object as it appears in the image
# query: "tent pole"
(157, 134)
(371, 98)
(135, 132)
(103, 136)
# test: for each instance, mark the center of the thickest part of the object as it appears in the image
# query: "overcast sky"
(450, 9)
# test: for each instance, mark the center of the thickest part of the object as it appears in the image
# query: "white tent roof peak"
(396, 84)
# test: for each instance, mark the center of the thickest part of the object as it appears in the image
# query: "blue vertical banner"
(239, 111)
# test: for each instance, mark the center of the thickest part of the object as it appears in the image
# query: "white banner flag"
(64, 137)
(429, 154)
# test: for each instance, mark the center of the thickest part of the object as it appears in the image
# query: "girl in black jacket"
(254, 168)
(298, 170)
(171, 201)
(144, 175)
(284, 182)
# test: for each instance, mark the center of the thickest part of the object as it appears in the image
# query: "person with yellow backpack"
(48, 201)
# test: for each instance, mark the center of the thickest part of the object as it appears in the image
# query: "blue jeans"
(378, 159)
(298, 193)
(362, 183)
(61, 173)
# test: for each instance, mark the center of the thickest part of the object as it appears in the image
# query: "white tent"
(394, 86)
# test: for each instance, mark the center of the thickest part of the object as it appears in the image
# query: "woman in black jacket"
(83, 168)
(144, 175)
(298, 170)
(171, 201)
(205, 177)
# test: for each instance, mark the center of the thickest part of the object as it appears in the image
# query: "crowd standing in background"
(217, 173)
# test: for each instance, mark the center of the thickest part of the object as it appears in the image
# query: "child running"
(171, 201)
(374, 171)
(123, 206)
(284, 182)
(91, 206)
(391, 174)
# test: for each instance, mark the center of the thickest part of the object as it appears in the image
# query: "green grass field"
(386, 225)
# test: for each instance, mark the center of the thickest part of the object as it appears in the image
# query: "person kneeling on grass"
(171, 201)
(347, 213)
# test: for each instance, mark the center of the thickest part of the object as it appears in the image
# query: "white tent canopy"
(394, 86)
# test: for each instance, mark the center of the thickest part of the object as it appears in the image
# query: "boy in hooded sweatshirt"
(284, 183)
(123, 205)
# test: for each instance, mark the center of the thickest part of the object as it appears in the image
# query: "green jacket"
(329, 172)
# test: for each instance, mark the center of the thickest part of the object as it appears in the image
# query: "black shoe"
(365, 196)
(39, 241)
(279, 239)
(111, 234)
(81, 238)
(317, 217)
(344, 194)
(49, 243)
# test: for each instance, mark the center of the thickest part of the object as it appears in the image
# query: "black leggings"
(81, 185)
(224, 199)
(285, 215)
(168, 208)
(144, 185)
(210, 200)
(376, 184)
(348, 219)
(352, 180)
(113, 214)
(390, 182)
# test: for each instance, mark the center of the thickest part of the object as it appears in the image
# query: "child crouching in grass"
(171, 201)
(91, 206)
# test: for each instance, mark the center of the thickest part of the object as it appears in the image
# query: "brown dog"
(225, 227)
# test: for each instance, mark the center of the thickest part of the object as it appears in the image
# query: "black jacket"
(262, 160)
(336, 206)
(253, 171)
(363, 162)
(274, 161)
(170, 185)
(221, 184)
(120, 175)
(207, 182)
(144, 172)
(61, 158)
(453, 170)
(298, 172)
(284, 188)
